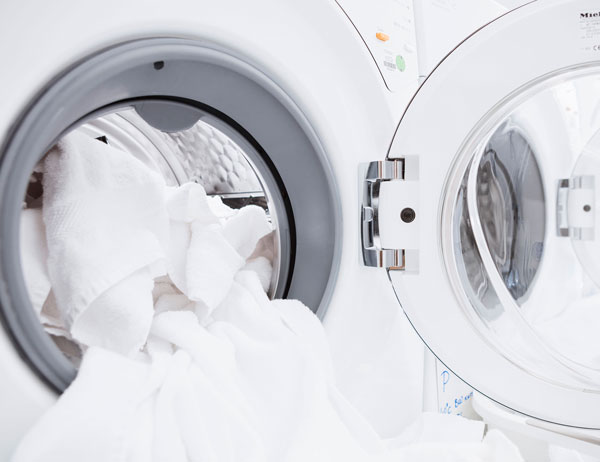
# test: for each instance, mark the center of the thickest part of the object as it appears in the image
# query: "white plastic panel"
(458, 104)
(395, 197)
(454, 396)
(442, 24)
(388, 29)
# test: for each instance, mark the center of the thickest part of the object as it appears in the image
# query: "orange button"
(383, 37)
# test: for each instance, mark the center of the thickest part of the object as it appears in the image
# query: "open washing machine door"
(485, 213)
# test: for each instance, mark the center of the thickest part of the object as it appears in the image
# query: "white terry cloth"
(34, 254)
(560, 454)
(186, 205)
(224, 374)
(52, 318)
(120, 318)
(495, 447)
(106, 227)
(432, 427)
(263, 269)
(262, 259)
(210, 243)
(211, 265)
(95, 418)
(246, 228)
(254, 385)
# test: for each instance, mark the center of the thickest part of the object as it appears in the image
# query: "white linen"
(203, 365)
(34, 254)
(106, 229)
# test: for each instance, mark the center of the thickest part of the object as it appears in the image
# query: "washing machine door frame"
(209, 81)
(405, 204)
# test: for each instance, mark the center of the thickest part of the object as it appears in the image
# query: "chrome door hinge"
(576, 208)
(389, 199)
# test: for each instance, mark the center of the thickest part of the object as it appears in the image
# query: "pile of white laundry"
(185, 358)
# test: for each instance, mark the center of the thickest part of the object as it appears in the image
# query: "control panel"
(388, 29)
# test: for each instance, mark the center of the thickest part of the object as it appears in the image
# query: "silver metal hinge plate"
(377, 177)
(576, 208)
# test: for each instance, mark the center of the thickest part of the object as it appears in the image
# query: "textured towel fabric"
(233, 391)
(105, 220)
(211, 265)
(205, 249)
(263, 269)
(245, 229)
(34, 254)
(217, 371)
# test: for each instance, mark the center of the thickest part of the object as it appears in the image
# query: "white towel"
(93, 419)
(34, 254)
(107, 228)
(254, 385)
(263, 269)
(120, 318)
(211, 265)
(223, 374)
(246, 228)
(52, 318)
(262, 259)
(187, 205)
(210, 243)
(495, 447)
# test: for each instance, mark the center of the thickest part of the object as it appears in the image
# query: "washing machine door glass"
(524, 254)
(504, 282)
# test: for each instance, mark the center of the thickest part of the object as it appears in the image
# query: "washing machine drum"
(191, 114)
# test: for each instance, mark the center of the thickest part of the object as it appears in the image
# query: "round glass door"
(522, 208)
(504, 286)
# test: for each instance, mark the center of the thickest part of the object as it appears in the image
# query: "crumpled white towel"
(92, 417)
(225, 374)
(262, 259)
(494, 447)
(211, 265)
(34, 254)
(263, 269)
(244, 229)
(433, 427)
(560, 454)
(210, 243)
(253, 385)
(106, 228)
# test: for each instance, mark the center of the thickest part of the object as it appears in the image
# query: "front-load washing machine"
(478, 221)
(266, 102)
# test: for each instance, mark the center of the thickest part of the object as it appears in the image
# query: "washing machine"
(264, 102)
(472, 220)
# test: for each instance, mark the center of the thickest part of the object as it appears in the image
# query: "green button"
(400, 63)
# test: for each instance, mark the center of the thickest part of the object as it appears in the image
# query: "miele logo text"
(589, 15)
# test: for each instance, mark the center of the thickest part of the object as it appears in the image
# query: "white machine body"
(314, 53)
(352, 68)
